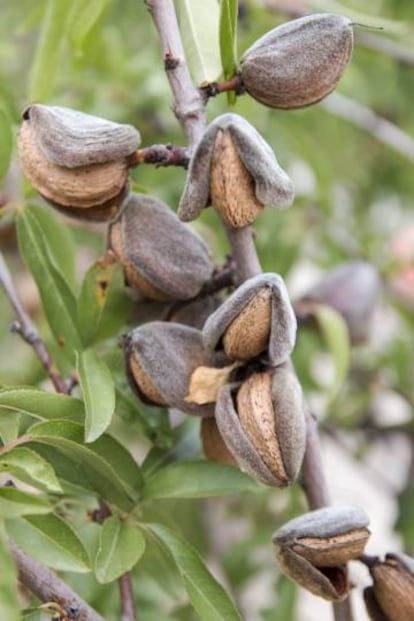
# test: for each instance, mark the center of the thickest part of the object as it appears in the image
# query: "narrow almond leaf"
(40, 404)
(48, 55)
(120, 548)
(205, 382)
(199, 26)
(58, 301)
(185, 445)
(29, 467)
(391, 26)
(103, 304)
(207, 596)
(51, 541)
(197, 479)
(9, 598)
(228, 41)
(9, 425)
(6, 142)
(98, 392)
(83, 16)
(335, 335)
(60, 241)
(14, 503)
(107, 466)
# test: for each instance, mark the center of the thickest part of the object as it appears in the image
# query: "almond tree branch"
(27, 330)
(241, 240)
(50, 588)
(160, 155)
(126, 593)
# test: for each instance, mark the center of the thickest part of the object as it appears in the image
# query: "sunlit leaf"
(58, 301)
(29, 467)
(120, 548)
(41, 404)
(197, 479)
(199, 26)
(103, 305)
(60, 241)
(9, 425)
(207, 596)
(14, 502)
(51, 541)
(107, 466)
(228, 41)
(98, 392)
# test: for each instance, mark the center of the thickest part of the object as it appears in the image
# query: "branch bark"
(27, 330)
(50, 588)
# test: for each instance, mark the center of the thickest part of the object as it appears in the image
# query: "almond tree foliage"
(115, 499)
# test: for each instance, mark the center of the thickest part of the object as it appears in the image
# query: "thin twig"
(126, 594)
(50, 588)
(188, 103)
(25, 327)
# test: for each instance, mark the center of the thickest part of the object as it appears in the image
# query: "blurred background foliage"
(354, 201)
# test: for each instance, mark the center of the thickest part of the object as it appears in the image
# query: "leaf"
(199, 26)
(29, 467)
(205, 382)
(9, 598)
(335, 335)
(36, 614)
(185, 445)
(106, 465)
(9, 425)
(60, 241)
(120, 548)
(48, 55)
(98, 392)
(207, 596)
(41, 404)
(228, 41)
(103, 305)
(51, 541)
(58, 301)
(14, 502)
(83, 16)
(6, 142)
(197, 479)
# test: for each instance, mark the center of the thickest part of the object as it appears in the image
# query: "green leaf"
(50, 540)
(29, 467)
(335, 335)
(60, 242)
(40, 404)
(185, 445)
(83, 16)
(199, 26)
(207, 596)
(9, 598)
(48, 55)
(228, 41)
(6, 142)
(107, 466)
(14, 502)
(197, 479)
(120, 548)
(98, 392)
(9, 425)
(58, 301)
(103, 305)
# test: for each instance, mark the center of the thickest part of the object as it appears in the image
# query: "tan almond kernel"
(248, 335)
(231, 185)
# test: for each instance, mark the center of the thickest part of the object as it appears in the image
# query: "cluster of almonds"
(235, 372)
